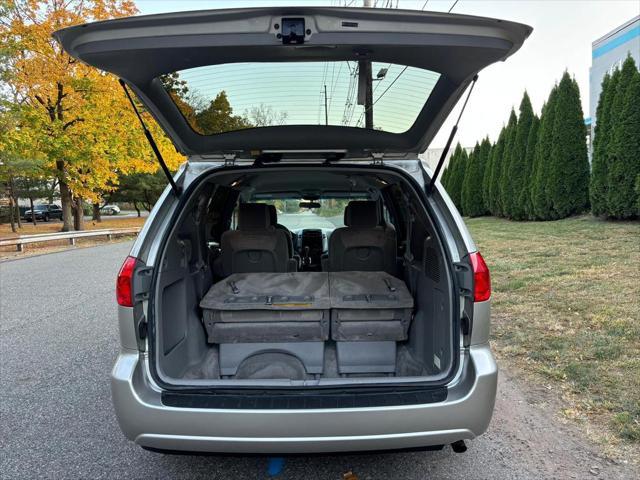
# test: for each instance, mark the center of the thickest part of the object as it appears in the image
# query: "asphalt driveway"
(58, 341)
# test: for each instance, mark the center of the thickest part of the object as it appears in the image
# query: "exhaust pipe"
(459, 446)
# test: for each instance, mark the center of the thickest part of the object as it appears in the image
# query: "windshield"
(40, 207)
(221, 98)
(295, 216)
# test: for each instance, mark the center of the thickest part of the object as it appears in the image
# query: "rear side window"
(220, 98)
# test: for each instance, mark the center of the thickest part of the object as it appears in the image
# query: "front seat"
(365, 244)
(273, 214)
(256, 245)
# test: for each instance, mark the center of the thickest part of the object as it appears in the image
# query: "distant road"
(59, 338)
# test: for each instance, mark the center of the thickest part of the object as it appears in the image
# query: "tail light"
(481, 277)
(124, 290)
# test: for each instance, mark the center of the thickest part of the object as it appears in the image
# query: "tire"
(114, 212)
(46, 218)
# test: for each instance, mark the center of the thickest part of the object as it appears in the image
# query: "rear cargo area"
(266, 324)
(321, 322)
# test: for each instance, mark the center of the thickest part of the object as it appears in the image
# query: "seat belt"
(201, 265)
(408, 255)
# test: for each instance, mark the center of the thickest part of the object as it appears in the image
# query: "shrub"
(624, 162)
(517, 180)
(540, 170)
(568, 178)
(504, 184)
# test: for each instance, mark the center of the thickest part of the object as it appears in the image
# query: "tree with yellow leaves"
(76, 117)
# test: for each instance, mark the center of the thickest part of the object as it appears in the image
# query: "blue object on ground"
(276, 464)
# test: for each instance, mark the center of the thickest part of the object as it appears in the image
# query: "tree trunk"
(135, 205)
(96, 213)
(52, 190)
(78, 221)
(12, 215)
(17, 210)
(65, 198)
(147, 202)
(33, 212)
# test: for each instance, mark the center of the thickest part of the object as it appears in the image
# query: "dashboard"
(311, 244)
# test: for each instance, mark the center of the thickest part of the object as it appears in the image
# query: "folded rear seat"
(292, 314)
(370, 312)
(261, 313)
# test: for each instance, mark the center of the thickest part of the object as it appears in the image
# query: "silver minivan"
(304, 284)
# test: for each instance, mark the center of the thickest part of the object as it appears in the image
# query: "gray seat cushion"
(256, 245)
(273, 214)
(364, 244)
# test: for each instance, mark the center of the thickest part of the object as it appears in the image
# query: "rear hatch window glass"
(237, 96)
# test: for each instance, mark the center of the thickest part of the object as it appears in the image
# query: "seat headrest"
(253, 216)
(362, 214)
(273, 214)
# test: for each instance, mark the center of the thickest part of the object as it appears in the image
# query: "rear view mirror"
(309, 205)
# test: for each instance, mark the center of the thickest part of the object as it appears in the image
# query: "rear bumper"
(465, 414)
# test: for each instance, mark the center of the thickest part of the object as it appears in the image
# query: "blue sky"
(563, 32)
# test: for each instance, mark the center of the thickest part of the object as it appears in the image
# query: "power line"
(404, 69)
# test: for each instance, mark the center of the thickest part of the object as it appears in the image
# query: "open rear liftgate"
(365, 313)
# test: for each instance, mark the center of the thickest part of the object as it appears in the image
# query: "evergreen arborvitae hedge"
(494, 173)
(568, 179)
(486, 177)
(638, 194)
(457, 176)
(506, 194)
(465, 192)
(448, 172)
(525, 194)
(485, 152)
(540, 171)
(445, 176)
(624, 147)
(622, 155)
(598, 182)
(472, 201)
(516, 180)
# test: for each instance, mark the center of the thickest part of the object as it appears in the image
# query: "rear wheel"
(46, 218)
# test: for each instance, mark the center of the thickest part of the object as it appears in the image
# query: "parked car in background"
(44, 212)
(110, 209)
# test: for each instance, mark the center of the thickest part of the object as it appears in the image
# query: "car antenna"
(451, 135)
(154, 146)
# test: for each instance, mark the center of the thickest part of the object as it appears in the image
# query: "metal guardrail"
(21, 241)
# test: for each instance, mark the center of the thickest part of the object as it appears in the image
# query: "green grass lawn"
(566, 308)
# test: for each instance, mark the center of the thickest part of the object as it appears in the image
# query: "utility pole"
(326, 111)
(365, 84)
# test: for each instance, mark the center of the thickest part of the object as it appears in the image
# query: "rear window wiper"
(154, 146)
